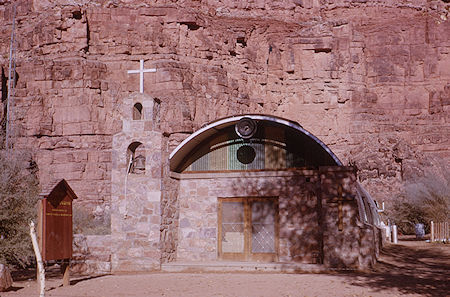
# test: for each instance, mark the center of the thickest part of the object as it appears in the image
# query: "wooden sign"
(56, 230)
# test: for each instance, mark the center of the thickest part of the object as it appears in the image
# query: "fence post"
(394, 234)
(447, 232)
(432, 231)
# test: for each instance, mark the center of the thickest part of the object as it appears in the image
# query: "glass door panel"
(248, 229)
(263, 226)
(233, 231)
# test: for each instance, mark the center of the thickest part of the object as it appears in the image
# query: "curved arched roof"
(195, 139)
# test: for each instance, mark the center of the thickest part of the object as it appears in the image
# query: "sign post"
(40, 265)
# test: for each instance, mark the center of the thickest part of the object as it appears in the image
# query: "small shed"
(55, 221)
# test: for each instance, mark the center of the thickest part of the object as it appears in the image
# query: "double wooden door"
(248, 229)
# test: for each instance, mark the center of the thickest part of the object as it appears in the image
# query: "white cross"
(141, 71)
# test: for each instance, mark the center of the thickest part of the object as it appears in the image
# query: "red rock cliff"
(371, 79)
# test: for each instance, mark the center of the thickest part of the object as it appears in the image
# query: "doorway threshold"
(229, 266)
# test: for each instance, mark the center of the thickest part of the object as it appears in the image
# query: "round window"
(246, 154)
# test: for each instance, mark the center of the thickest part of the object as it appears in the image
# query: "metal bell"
(139, 163)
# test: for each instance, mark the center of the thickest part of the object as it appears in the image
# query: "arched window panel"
(271, 148)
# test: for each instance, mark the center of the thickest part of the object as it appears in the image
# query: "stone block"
(5, 278)
(72, 128)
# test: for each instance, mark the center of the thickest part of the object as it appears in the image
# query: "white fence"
(440, 231)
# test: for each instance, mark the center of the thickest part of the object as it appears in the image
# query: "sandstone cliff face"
(371, 79)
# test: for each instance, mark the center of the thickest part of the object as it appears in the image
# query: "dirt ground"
(411, 268)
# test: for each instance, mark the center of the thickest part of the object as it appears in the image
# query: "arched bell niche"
(136, 158)
(137, 111)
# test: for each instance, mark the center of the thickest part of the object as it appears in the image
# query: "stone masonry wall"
(169, 205)
(308, 215)
(297, 196)
(371, 79)
(136, 193)
(91, 254)
(346, 247)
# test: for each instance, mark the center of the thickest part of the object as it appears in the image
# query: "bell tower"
(136, 186)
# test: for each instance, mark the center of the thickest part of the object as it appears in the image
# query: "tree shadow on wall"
(299, 215)
(410, 269)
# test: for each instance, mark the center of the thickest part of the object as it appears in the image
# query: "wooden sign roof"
(56, 191)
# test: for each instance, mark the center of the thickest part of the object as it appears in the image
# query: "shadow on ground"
(13, 289)
(51, 273)
(412, 267)
(79, 280)
(20, 275)
(76, 281)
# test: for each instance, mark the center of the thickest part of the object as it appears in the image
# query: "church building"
(246, 188)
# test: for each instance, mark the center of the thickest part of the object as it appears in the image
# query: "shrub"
(19, 190)
(423, 200)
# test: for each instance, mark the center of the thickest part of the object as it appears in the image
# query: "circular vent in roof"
(245, 128)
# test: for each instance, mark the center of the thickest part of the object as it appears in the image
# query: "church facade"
(246, 188)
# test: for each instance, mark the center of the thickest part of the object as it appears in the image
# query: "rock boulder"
(5, 278)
